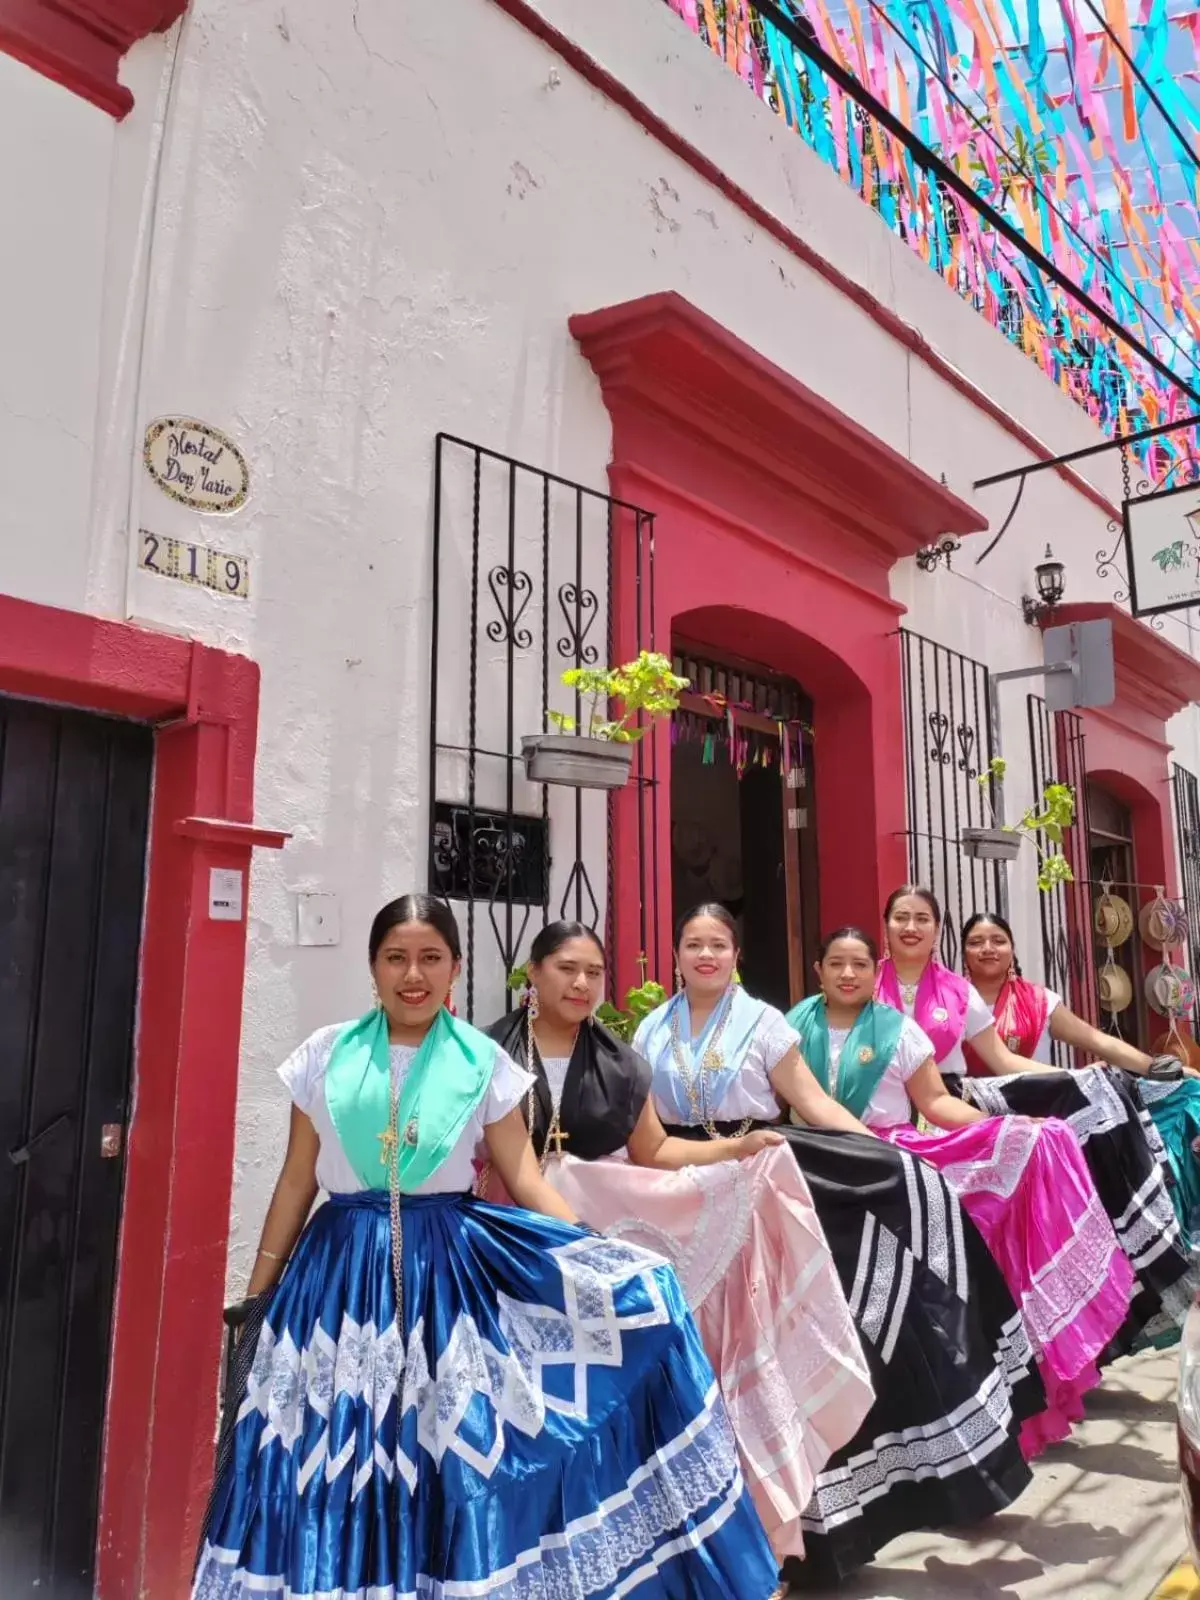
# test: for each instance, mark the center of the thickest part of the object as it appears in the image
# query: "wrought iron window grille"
(947, 745)
(522, 590)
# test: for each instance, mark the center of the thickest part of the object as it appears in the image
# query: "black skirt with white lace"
(1128, 1165)
(950, 1360)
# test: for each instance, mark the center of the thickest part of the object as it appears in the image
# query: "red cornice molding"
(219, 830)
(1151, 673)
(80, 43)
(660, 355)
(653, 489)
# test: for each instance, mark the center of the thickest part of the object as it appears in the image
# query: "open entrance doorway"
(743, 825)
(1112, 867)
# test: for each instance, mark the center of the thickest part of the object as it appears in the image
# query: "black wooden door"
(74, 801)
(764, 886)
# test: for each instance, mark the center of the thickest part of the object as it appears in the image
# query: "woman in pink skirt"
(1024, 1184)
(734, 1217)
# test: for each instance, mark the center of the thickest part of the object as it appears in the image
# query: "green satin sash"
(866, 1054)
(447, 1079)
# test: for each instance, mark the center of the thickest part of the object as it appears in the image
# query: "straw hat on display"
(1114, 987)
(1170, 990)
(1114, 920)
(1163, 924)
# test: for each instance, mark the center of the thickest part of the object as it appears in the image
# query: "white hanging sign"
(1162, 546)
(196, 464)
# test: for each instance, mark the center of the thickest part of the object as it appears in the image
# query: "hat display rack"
(1113, 922)
(1162, 925)
(1170, 989)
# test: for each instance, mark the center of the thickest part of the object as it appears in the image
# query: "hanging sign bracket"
(1021, 473)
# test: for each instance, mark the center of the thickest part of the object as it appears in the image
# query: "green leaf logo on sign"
(196, 465)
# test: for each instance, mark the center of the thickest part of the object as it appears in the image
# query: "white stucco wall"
(51, 287)
(332, 231)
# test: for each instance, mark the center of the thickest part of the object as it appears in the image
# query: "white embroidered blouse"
(303, 1074)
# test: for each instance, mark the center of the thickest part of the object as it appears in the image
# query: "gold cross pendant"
(389, 1141)
(559, 1138)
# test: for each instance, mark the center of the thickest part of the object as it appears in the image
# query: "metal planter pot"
(990, 844)
(572, 762)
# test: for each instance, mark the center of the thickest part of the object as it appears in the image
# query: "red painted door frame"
(777, 519)
(180, 1145)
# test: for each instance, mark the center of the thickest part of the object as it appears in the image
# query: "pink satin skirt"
(758, 1276)
(1027, 1188)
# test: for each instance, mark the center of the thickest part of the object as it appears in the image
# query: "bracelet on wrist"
(269, 1255)
(1165, 1068)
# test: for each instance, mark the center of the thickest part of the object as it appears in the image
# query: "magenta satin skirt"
(1027, 1188)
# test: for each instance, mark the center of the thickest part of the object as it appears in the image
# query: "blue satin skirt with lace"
(549, 1427)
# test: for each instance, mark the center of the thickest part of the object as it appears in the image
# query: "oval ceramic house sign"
(197, 465)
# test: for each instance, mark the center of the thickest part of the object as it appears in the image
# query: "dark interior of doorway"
(74, 808)
(1112, 863)
(746, 840)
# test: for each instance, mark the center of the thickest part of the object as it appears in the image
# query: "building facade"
(535, 338)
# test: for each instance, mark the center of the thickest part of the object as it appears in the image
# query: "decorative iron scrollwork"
(508, 586)
(445, 850)
(1189, 469)
(478, 854)
(946, 745)
(930, 555)
(1107, 562)
(939, 727)
(579, 884)
(579, 608)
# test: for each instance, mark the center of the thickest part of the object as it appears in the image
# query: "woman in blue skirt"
(541, 1421)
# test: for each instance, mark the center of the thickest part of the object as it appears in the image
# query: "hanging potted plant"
(597, 751)
(1044, 827)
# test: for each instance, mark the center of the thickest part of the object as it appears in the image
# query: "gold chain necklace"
(711, 1062)
(554, 1132)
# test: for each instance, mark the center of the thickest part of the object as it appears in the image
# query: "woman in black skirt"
(948, 1353)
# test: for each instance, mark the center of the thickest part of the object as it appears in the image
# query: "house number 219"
(195, 563)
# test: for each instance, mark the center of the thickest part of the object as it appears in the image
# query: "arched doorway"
(743, 820)
(777, 520)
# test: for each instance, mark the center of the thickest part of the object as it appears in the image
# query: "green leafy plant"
(639, 1003)
(645, 687)
(1045, 826)
(1021, 166)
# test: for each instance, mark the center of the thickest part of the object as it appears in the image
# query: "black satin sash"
(606, 1088)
